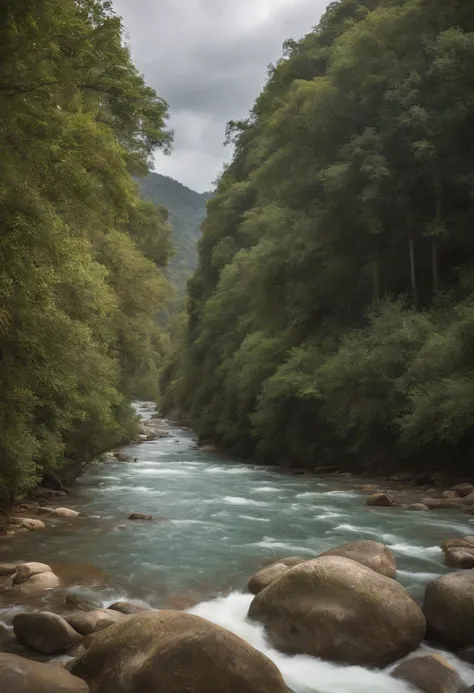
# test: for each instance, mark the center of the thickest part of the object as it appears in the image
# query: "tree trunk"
(435, 263)
(435, 241)
(414, 285)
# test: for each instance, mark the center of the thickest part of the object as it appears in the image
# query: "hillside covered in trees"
(331, 318)
(187, 210)
(81, 254)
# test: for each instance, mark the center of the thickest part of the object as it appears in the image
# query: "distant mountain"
(187, 210)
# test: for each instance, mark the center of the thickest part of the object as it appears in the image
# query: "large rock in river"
(334, 608)
(174, 652)
(45, 632)
(88, 622)
(449, 608)
(267, 575)
(19, 675)
(369, 553)
(431, 674)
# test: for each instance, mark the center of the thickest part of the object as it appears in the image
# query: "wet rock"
(25, 571)
(403, 477)
(458, 543)
(81, 603)
(88, 622)
(449, 494)
(128, 608)
(441, 479)
(20, 675)
(431, 674)
(141, 516)
(464, 489)
(442, 503)
(370, 553)
(65, 512)
(466, 654)
(37, 584)
(418, 506)
(449, 608)
(122, 457)
(267, 575)
(325, 469)
(340, 610)
(176, 652)
(459, 558)
(382, 500)
(45, 632)
(468, 500)
(209, 448)
(28, 523)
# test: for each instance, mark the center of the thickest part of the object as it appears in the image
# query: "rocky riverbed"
(236, 578)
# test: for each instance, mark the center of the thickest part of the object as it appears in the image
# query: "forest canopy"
(81, 254)
(331, 317)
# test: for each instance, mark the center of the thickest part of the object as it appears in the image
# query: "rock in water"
(458, 543)
(267, 575)
(449, 608)
(88, 622)
(19, 675)
(142, 517)
(383, 500)
(25, 571)
(459, 558)
(45, 632)
(174, 652)
(432, 674)
(334, 608)
(64, 512)
(128, 608)
(369, 553)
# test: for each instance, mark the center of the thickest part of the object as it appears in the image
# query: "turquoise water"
(219, 521)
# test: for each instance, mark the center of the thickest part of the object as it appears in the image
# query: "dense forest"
(186, 209)
(331, 318)
(81, 254)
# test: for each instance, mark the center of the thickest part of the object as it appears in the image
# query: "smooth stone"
(20, 675)
(45, 632)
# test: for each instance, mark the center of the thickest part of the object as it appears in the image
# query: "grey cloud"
(208, 59)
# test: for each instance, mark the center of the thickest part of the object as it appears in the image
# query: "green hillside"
(187, 210)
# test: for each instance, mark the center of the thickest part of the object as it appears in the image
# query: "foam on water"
(256, 519)
(302, 674)
(238, 500)
(269, 543)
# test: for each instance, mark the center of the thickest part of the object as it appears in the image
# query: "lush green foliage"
(331, 315)
(80, 252)
(187, 210)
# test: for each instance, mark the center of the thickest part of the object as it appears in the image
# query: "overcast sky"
(208, 59)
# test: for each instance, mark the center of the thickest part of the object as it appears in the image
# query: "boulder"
(449, 608)
(442, 503)
(25, 571)
(45, 632)
(334, 608)
(38, 583)
(122, 457)
(459, 558)
(209, 448)
(469, 499)
(418, 506)
(20, 675)
(430, 673)
(141, 516)
(64, 512)
(128, 608)
(464, 489)
(458, 543)
(449, 495)
(369, 553)
(88, 622)
(174, 651)
(81, 603)
(28, 523)
(382, 500)
(264, 577)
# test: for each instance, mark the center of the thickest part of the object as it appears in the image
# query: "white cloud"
(208, 59)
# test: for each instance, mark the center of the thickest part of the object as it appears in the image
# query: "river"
(219, 521)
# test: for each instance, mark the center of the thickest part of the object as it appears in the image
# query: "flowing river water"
(220, 520)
